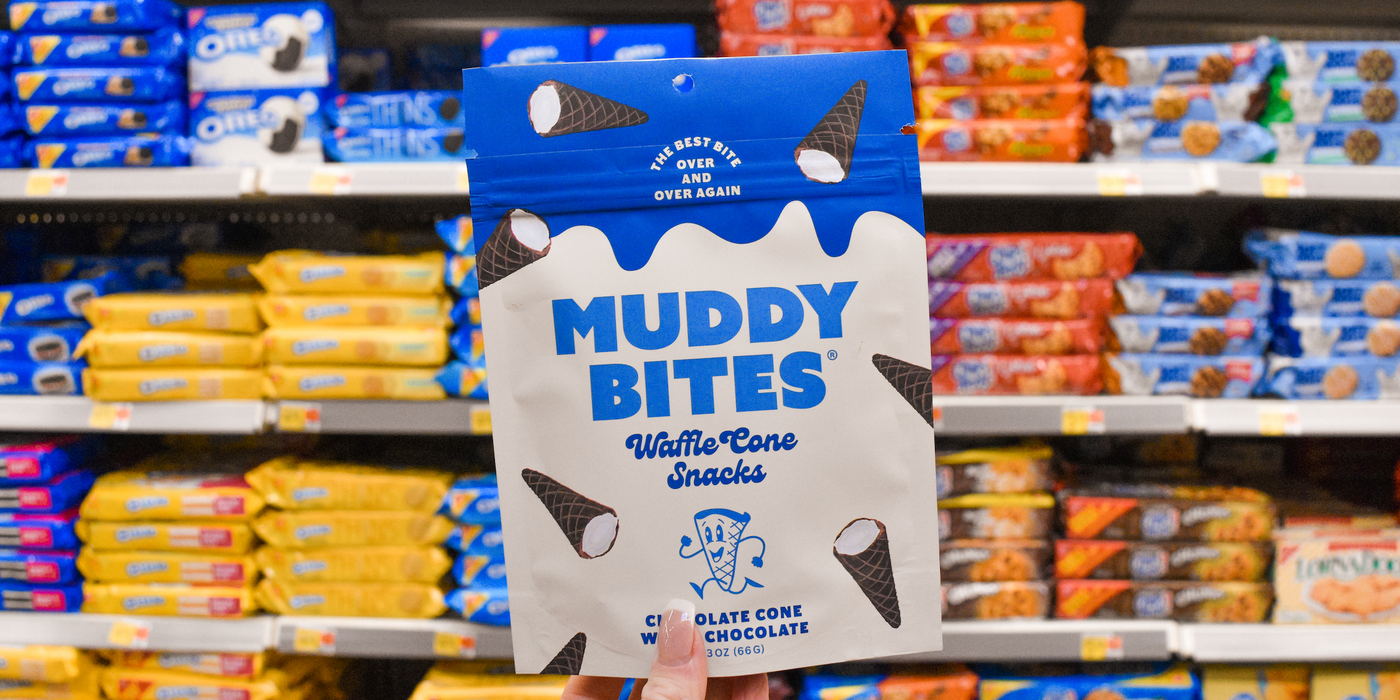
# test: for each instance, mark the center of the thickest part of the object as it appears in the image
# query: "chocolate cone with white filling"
(825, 154)
(863, 549)
(569, 659)
(520, 238)
(557, 109)
(912, 382)
(590, 526)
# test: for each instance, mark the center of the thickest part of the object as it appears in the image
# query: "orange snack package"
(1000, 22)
(1007, 256)
(1015, 375)
(1004, 102)
(952, 336)
(834, 18)
(1003, 140)
(1089, 298)
(950, 63)
(733, 44)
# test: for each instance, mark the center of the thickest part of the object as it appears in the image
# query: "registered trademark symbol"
(830, 354)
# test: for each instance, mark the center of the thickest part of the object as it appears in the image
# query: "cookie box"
(737, 44)
(993, 560)
(291, 483)
(1151, 512)
(1339, 337)
(330, 345)
(160, 684)
(1333, 61)
(24, 304)
(1188, 335)
(1010, 256)
(995, 22)
(1244, 62)
(940, 682)
(996, 517)
(393, 145)
(994, 470)
(1309, 102)
(1340, 298)
(1205, 377)
(1048, 102)
(954, 63)
(64, 492)
(1002, 140)
(1336, 144)
(466, 312)
(1097, 683)
(1337, 580)
(59, 119)
(457, 234)
(831, 18)
(310, 529)
(1183, 601)
(1013, 375)
(1127, 140)
(1003, 600)
(1195, 294)
(636, 42)
(1090, 298)
(1256, 682)
(390, 110)
(1156, 561)
(1226, 102)
(1332, 378)
(1016, 337)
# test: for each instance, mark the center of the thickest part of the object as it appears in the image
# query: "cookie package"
(1002, 140)
(1148, 139)
(1031, 22)
(96, 85)
(116, 566)
(942, 681)
(168, 599)
(1159, 512)
(72, 120)
(341, 310)
(1336, 337)
(105, 349)
(736, 44)
(308, 272)
(485, 606)
(409, 564)
(1308, 102)
(62, 493)
(172, 384)
(1336, 144)
(134, 495)
(1188, 335)
(175, 536)
(25, 304)
(953, 63)
(94, 15)
(222, 313)
(1201, 376)
(953, 336)
(994, 470)
(351, 382)
(31, 459)
(1243, 62)
(370, 345)
(830, 18)
(1156, 561)
(1183, 601)
(38, 532)
(1195, 294)
(1156, 682)
(1332, 378)
(996, 516)
(311, 529)
(1016, 375)
(1355, 682)
(163, 47)
(1011, 256)
(291, 483)
(360, 599)
(28, 597)
(1305, 255)
(1345, 579)
(993, 560)
(1257, 682)
(1339, 61)
(1227, 102)
(1336, 298)
(1044, 102)
(51, 568)
(1001, 600)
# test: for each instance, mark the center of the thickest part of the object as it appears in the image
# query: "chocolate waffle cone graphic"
(590, 526)
(557, 109)
(520, 238)
(569, 659)
(863, 548)
(912, 382)
(825, 154)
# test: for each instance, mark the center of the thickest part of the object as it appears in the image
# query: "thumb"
(679, 670)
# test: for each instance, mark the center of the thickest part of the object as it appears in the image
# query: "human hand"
(679, 672)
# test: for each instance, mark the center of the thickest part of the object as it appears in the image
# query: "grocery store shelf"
(133, 631)
(1059, 415)
(1066, 179)
(126, 183)
(1283, 643)
(75, 413)
(1312, 181)
(1054, 640)
(390, 638)
(366, 179)
(1263, 417)
(449, 417)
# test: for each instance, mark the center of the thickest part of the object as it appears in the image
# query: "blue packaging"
(479, 572)
(439, 66)
(266, 45)
(1310, 102)
(40, 568)
(1337, 144)
(138, 151)
(391, 110)
(111, 84)
(482, 540)
(23, 597)
(513, 46)
(393, 145)
(96, 119)
(30, 461)
(94, 15)
(39, 532)
(1225, 102)
(1219, 377)
(474, 500)
(1332, 378)
(7, 85)
(1176, 682)
(8, 45)
(12, 152)
(41, 378)
(65, 491)
(55, 301)
(10, 121)
(1243, 62)
(1306, 255)
(42, 343)
(460, 379)
(1190, 335)
(1336, 337)
(365, 70)
(469, 345)
(467, 311)
(1148, 139)
(1198, 294)
(1374, 298)
(1339, 61)
(489, 606)
(635, 42)
(460, 274)
(162, 48)
(257, 127)
(457, 234)
(145, 272)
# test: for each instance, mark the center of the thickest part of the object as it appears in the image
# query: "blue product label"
(55, 301)
(62, 493)
(37, 568)
(162, 48)
(93, 120)
(268, 45)
(1152, 603)
(38, 532)
(457, 234)
(141, 151)
(256, 127)
(391, 110)
(526, 45)
(115, 84)
(387, 145)
(635, 42)
(1160, 523)
(489, 606)
(477, 571)
(25, 597)
(483, 540)
(464, 379)
(40, 343)
(94, 15)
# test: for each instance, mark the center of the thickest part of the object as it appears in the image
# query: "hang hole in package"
(703, 283)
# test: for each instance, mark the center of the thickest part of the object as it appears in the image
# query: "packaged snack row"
(756, 28)
(42, 482)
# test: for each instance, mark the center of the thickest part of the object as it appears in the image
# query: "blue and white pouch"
(264, 45)
(39, 532)
(1330, 336)
(459, 272)
(94, 15)
(483, 540)
(395, 145)
(28, 461)
(1224, 102)
(1187, 294)
(1149, 139)
(392, 110)
(464, 380)
(1305, 255)
(487, 606)
(468, 343)
(144, 271)
(1189, 64)
(1332, 378)
(165, 47)
(62, 120)
(257, 127)
(136, 151)
(1374, 298)
(1315, 102)
(467, 311)
(97, 84)
(1337, 144)
(56, 301)
(54, 342)
(1219, 377)
(1340, 61)
(1190, 335)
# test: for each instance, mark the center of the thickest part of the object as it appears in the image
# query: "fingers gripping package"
(1062, 256)
(254, 127)
(164, 47)
(279, 44)
(672, 183)
(1185, 294)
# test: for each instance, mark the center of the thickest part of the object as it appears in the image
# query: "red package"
(1016, 375)
(952, 336)
(731, 44)
(1007, 256)
(1001, 22)
(1003, 140)
(949, 63)
(1006, 102)
(1046, 299)
(830, 18)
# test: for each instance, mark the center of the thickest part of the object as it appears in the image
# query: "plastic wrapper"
(38, 568)
(142, 271)
(1341, 298)
(296, 484)
(272, 45)
(411, 600)
(1183, 601)
(32, 460)
(998, 516)
(1045, 102)
(1314, 587)
(219, 271)
(391, 110)
(457, 234)
(735, 44)
(1309, 102)
(117, 566)
(1256, 682)
(995, 22)
(1337, 144)
(1155, 512)
(62, 493)
(223, 538)
(66, 120)
(461, 379)
(636, 42)
(180, 600)
(827, 18)
(163, 47)
(994, 470)
(1132, 140)
(482, 540)
(134, 495)
(223, 313)
(1011, 375)
(1306, 255)
(223, 664)
(952, 63)
(1364, 682)
(257, 127)
(1187, 294)
(478, 571)
(467, 312)
(296, 310)
(1003, 600)
(1201, 376)
(487, 606)
(982, 561)
(94, 15)
(24, 597)
(935, 682)
(305, 272)
(172, 384)
(41, 378)
(120, 683)
(1005, 140)
(1156, 561)
(1227, 102)
(1244, 62)
(1010, 256)
(55, 301)
(104, 349)
(137, 151)
(469, 345)
(460, 274)
(1332, 378)
(395, 145)
(1190, 335)
(47, 343)
(331, 528)
(1159, 683)
(44, 664)
(12, 146)
(474, 500)
(1337, 61)
(1336, 337)
(341, 382)
(89, 84)
(1091, 298)
(330, 345)
(38, 532)
(418, 564)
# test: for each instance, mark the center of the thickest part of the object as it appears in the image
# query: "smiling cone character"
(721, 531)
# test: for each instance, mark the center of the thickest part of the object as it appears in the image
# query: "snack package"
(41, 378)
(1158, 682)
(478, 571)
(486, 606)
(318, 382)
(394, 145)
(166, 567)
(1339, 579)
(1000, 516)
(474, 499)
(1007, 140)
(806, 17)
(219, 271)
(1012, 256)
(134, 495)
(94, 15)
(332, 528)
(1089, 298)
(1201, 376)
(460, 274)
(24, 597)
(457, 234)
(1305, 255)
(467, 312)
(295, 310)
(1339, 61)
(526, 45)
(33, 460)
(143, 271)
(1190, 335)
(65, 491)
(1011, 375)
(482, 540)
(172, 384)
(1341, 298)
(1336, 337)
(163, 47)
(1002, 600)
(1031, 22)
(1046, 102)
(940, 681)
(221, 664)
(305, 272)
(137, 151)
(63, 120)
(45, 664)
(12, 146)
(330, 345)
(224, 538)
(349, 564)
(735, 44)
(391, 110)
(1156, 512)
(91, 84)
(994, 470)
(38, 532)
(1244, 62)
(1308, 102)
(413, 600)
(121, 683)
(953, 63)
(223, 313)
(1148, 139)
(635, 42)
(469, 345)
(181, 600)
(290, 483)
(993, 560)
(1332, 378)
(1336, 144)
(1227, 102)
(104, 349)
(1198, 294)
(257, 127)
(55, 301)
(1256, 682)
(1155, 561)
(1183, 601)
(39, 568)
(282, 45)
(1361, 681)
(45, 343)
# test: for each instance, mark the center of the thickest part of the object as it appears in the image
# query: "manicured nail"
(677, 633)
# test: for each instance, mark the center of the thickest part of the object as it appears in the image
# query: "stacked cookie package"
(479, 571)
(405, 125)
(788, 27)
(1338, 569)
(101, 84)
(1022, 314)
(465, 375)
(468, 680)
(1334, 103)
(998, 81)
(350, 540)
(943, 681)
(51, 672)
(1188, 334)
(42, 481)
(1336, 314)
(156, 675)
(41, 327)
(353, 326)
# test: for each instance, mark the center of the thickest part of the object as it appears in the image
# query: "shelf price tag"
(1100, 647)
(1282, 184)
(937, 417)
(307, 640)
(129, 634)
(46, 183)
(454, 646)
(1278, 421)
(110, 416)
(481, 421)
(463, 182)
(333, 181)
(1081, 420)
(298, 417)
(1119, 183)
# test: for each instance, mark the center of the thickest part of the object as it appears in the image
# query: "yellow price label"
(307, 640)
(46, 183)
(1119, 183)
(455, 646)
(481, 421)
(1100, 647)
(297, 417)
(463, 181)
(331, 181)
(110, 416)
(1081, 420)
(129, 634)
(1282, 184)
(1275, 422)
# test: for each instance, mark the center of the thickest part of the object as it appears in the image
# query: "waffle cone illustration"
(863, 548)
(520, 238)
(569, 659)
(825, 154)
(590, 526)
(912, 382)
(557, 109)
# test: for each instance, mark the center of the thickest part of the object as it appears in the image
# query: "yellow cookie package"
(307, 272)
(166, 567)
(83, 686)
(133, 495)
(226, 538)
(485, 680)
(220, 313)
(349, 528)
(320, 311)
(224, 664)
(1257, 682)
(348, 345)
(291, 483)
(350, 564)
(120, 683)
(318, 382)
(172, 384)
(162, 349)
(1356, 682)
(219, 272)
(45, 664)
(351, 599)
(181, 600)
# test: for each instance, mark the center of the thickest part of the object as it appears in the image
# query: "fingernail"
(677, 633)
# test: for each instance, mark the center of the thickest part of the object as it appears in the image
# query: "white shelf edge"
(1066, 179)
(91, 631)
(1285, 643)
(403, 179)
(77, 414)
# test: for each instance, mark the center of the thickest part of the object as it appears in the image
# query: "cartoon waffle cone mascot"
(721, 533)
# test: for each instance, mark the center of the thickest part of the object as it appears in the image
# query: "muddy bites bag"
(688, 295)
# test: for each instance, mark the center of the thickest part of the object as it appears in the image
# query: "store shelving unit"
(107, 184)
(1060, 415)
(1055, 640)
(365, 179)
(1290, 643)
(78, 414)
(368, 637)
(136, 632)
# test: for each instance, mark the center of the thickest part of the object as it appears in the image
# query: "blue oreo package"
(1149, 139)
(473, 571)
(635, 42)
(1330, 336)
(1374, 298)
(391, 110)
(10, 121)
(514, 46)
(1192, 335)
(1193, 294)
(24, 597)
(457, 234)
(65, 491)
(1340, 61)
(488, 606)
(41, 379)
(145, 272)
(474, 500)
(484, 540)
(136, 151)
(1218, 377)
(265, 45)
(1332, 378)
(60, 119)
(41, 343)
(12, 152)
(1337, 144)
(469, 345)
(1223, 102)
(1305, 255)
(94, 15)
(39, 532)
(257, 127)
(393, 145)
(459, 273)
(9, 42)
(165, 47)
(28, 461)
(467, 311)
(45, 568)
(109, 84)
(461, 379)
(55, 301)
